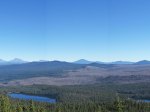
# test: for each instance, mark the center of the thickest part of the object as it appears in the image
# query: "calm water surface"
(31, 97)
(146, 101)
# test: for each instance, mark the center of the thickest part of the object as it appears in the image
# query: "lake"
(146, 101)
(31, 97)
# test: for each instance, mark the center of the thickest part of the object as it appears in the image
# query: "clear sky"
(104, 30)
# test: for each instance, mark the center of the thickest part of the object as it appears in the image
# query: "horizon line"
(7, 60)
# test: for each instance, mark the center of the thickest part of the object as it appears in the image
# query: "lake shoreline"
(36, 98)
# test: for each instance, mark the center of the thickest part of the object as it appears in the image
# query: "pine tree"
(19, 108)
(58, 108)
(118, 105)
(5, 104)
(32, 106)
(99, 109)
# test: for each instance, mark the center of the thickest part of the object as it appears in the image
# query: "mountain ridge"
(13, 61)
(84, 61)
(80, 61)
(143, 62)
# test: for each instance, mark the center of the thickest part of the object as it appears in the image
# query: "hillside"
(64, 73)
(35, 69)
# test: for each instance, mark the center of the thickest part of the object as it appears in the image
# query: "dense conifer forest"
(85, 98)
(29, 106)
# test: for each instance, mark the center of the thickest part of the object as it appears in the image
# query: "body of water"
(31, 97)
(146, 101)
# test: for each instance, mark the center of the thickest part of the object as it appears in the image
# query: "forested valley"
(80, 98)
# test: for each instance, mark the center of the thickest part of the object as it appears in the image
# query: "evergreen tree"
(118, 105)
(32, 106)
(99, 109)
(19, 108)
(5, 104)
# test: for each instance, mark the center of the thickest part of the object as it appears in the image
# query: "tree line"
(8, 105)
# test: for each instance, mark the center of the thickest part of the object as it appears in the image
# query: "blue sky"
(104, 30)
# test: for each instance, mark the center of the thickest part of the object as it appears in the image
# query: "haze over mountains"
(65, 73)
(81, 61)
(20, 72)
(14, 61)
(143, 62)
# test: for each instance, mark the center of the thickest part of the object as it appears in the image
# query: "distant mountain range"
(143, 62)
(81, 61)
(35, 69)
(14, 61)
(122, 62)
(60, 69)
